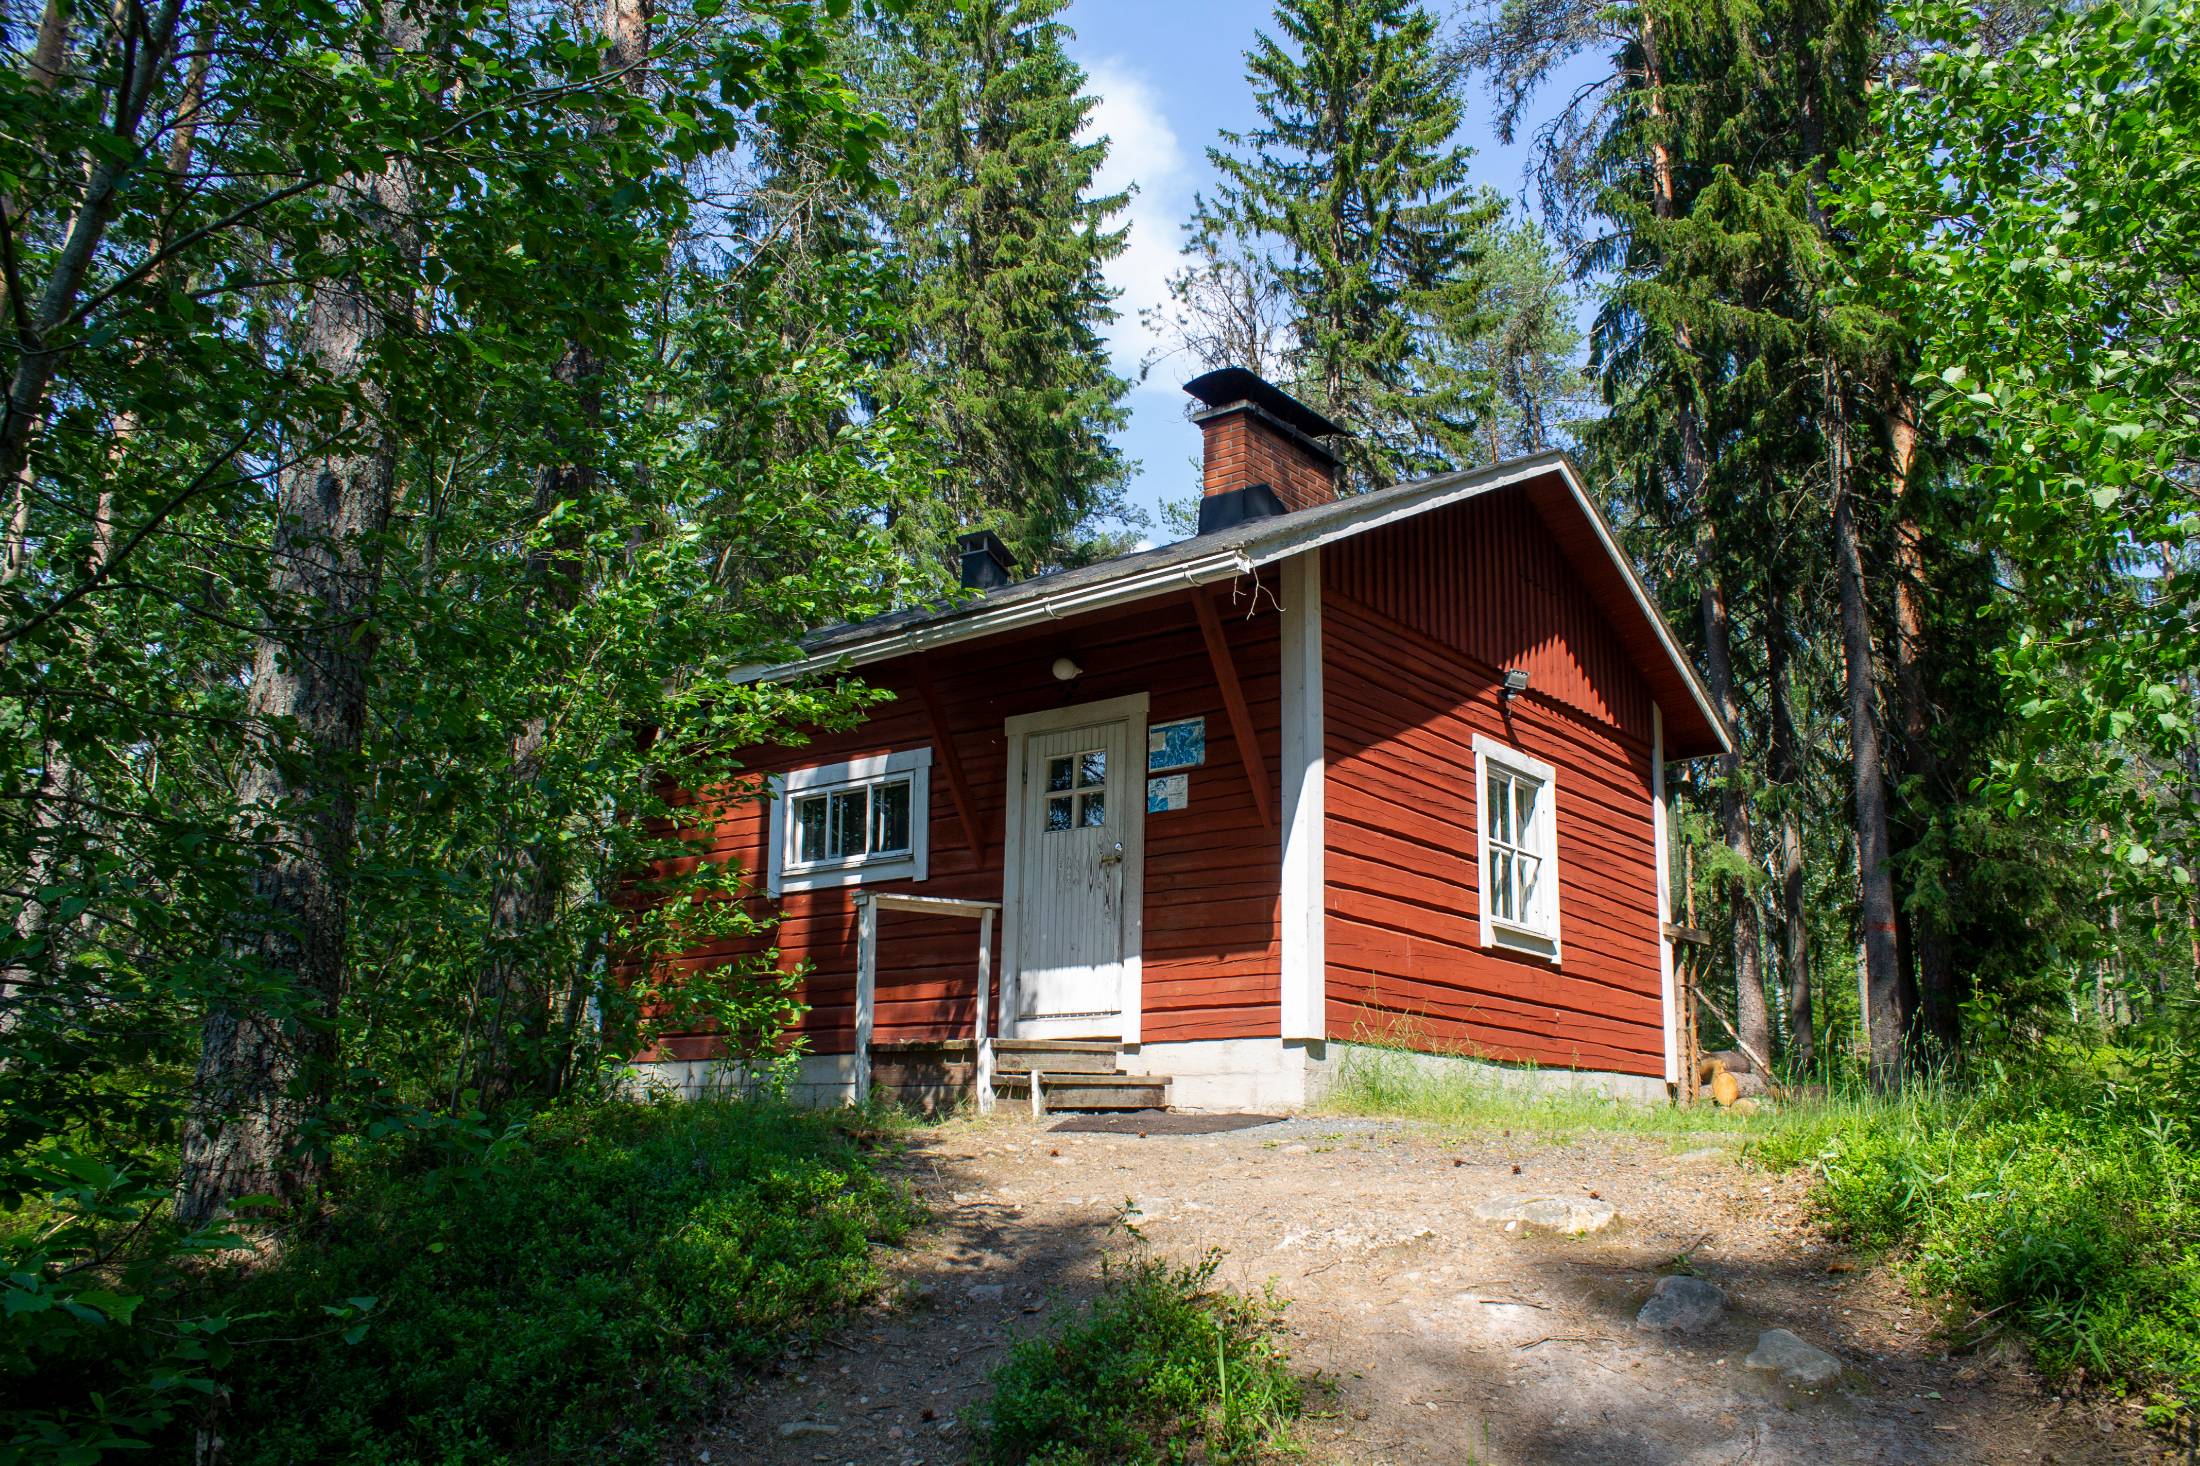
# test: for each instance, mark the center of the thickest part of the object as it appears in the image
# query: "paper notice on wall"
(1172, 791)
(1178, 745)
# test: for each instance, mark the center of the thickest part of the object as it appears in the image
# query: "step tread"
(1058, 1045)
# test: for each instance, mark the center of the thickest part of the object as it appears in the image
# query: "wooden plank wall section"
(1418, 623)
(1211, 953)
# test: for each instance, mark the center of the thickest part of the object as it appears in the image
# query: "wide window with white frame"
(1517, 831)
(841, 824)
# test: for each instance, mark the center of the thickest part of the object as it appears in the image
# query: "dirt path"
(1445, 1339)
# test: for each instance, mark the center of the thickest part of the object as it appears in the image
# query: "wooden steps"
(1071, 1074)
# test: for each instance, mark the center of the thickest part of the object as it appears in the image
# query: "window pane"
(1058, 812)
(1529, 871)
(1058, 773)
(1092, 770)
(1527, 833)
(809, 829)
(1092, 810)
(846, 836)
(890, 817)
(1501, 890)
(1500, 808)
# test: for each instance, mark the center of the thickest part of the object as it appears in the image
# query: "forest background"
(416, 412)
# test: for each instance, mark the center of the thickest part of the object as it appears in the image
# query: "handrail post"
(985, 1002)
(866, 988)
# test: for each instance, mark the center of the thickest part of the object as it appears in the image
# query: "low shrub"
(572, 1291)
(1160, 1367)
(2064, 1205)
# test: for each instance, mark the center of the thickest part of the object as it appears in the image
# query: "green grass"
(578, 1300)
(1381, 1079)
(1161, 1367)
(2059, 1202)
(2063, 1205)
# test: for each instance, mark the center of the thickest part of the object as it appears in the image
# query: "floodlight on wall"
(1066, 670)
(1516, 682)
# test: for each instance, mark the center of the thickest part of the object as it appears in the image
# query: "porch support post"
(866, 989)
(985, 1004)
(1233, 702)
(958, 787)
(1305, 889)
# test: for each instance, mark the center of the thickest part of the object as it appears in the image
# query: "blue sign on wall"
(1181, 745)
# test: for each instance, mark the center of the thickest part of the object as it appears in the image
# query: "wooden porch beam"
(1233, 702)
(958, 786)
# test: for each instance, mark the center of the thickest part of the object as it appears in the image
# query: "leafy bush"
(2065, 1204)
(1161, 1367)
(571, 1291)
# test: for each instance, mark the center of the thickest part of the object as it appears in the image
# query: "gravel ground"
(1430, 1336)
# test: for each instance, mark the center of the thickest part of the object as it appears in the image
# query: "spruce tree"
(1354, 188)
(1002, 241)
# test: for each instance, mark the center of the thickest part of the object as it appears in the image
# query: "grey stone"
(1683, 1305)
(1557, 1213)
(796, 1429)
(986, 1292)
(1782, 1355)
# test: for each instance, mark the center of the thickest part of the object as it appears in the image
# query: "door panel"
(1076, 784)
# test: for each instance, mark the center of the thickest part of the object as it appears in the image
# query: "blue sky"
(1169, 74)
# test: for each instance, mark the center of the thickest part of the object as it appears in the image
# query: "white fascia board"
(1282, 538)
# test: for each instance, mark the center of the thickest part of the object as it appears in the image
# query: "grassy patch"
(576, 1300)
(1374, 1079)
(2065, 1206)
(1161, 1367)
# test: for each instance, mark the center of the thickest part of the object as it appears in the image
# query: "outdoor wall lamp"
(1516, 682)
(1066, 670)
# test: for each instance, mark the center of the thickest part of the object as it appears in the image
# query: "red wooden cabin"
(1385, 768)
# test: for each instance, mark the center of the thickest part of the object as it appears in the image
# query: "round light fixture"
(1066, 670)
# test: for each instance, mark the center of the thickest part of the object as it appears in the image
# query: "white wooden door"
(1075, 807)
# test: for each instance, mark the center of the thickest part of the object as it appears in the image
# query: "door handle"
(1113, 857)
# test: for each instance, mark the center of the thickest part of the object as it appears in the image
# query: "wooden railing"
(868, 906)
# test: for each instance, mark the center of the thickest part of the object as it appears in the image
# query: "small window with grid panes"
(1517, 833)
(839, 824)
(1077, 791)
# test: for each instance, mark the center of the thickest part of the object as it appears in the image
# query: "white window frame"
(1537, 938)
(914, 764)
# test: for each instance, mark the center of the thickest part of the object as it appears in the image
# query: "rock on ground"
(1556, 1213)
(1781, 1354)
(1682, 1304)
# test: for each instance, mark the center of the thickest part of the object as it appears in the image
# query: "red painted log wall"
(1212, 869)
(1419, 622)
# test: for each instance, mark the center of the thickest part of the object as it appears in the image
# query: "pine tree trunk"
(1750, 1015)
(50, 814)
(1882, 966)
(1788, 775)
(266, 1066)
(56, 300)
(1930, 957)
(515, 996)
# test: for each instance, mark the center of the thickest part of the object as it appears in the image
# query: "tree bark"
(1882, 966)
(515, 994)
(1787, 773)
(268, 1049)
(50, 816)
(1751, 1015)
(1932, 962)
(39, 349)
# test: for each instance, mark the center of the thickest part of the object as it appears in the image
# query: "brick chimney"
(1264, 450)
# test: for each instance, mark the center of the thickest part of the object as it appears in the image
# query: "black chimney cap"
(1236, 384)
(985, 560)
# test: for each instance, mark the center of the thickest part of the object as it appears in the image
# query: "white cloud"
(1143, 153)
